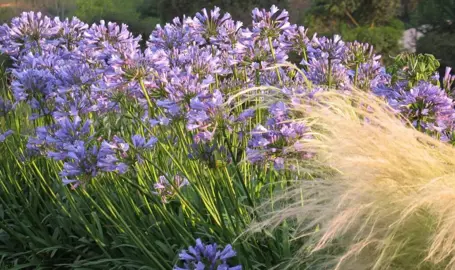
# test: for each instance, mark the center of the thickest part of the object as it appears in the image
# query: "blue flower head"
(207, 257)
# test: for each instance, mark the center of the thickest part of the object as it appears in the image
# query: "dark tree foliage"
(371, 21)
(239, 9)
(439, 14)
(436, 18)
(357, 12)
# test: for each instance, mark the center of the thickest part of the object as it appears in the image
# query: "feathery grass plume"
(389, 206)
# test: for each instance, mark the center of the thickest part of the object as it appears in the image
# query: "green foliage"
(362, 20)
(440, 14)
(357, 12)
(117, 221)
(239, 9)
(6, 14)
(438, 17)
(128, 12)
(441, 44)
(414, 68)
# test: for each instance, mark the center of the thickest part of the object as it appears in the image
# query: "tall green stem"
(274, 58)
(329, 75)
(356, 74)
(146, 94)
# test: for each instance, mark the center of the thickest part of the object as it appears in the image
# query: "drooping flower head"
(206, 113)
(167, 190)
(112, 154)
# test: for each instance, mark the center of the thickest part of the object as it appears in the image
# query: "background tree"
(239, 9)
(436, 19)
(130, 12)
(439, 14)
(372, 21)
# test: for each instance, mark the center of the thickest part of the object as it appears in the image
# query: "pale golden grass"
(391, 205)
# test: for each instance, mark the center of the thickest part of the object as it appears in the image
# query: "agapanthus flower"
(129, 71)
(182, 86)
(167, 190)
(67, 71)
(321, 72)
(270, 23)
(366, 71)
(177, 35)
(5, 47)
(332, 49)
(297, 41)
(74, 103)
(269, 143)
(33, 84)
(203, 256)
(69, 130)
(28, 33)
(245, 115)
(204, 62)
(428, 107)
(102, 40)
(368, 75)
(4, 135)
(140, 142)
(170, 108)
(38, 143)
(357, 53)
(228, 35)
(69, 33)
(80, 163)
(112, 154)
(209, 23)
(44, 61)
(160, 121)
(257, 53)
(206, 111)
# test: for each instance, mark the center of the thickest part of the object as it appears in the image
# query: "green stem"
(274, 58)
(147, 97)
(329, 73)
(356, 74)
(305, 57)
(237, 170)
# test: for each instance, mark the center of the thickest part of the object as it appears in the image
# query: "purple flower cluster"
(269, 143)
(84, 156)
(68, 72)
(207, 257)
(427, 106)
